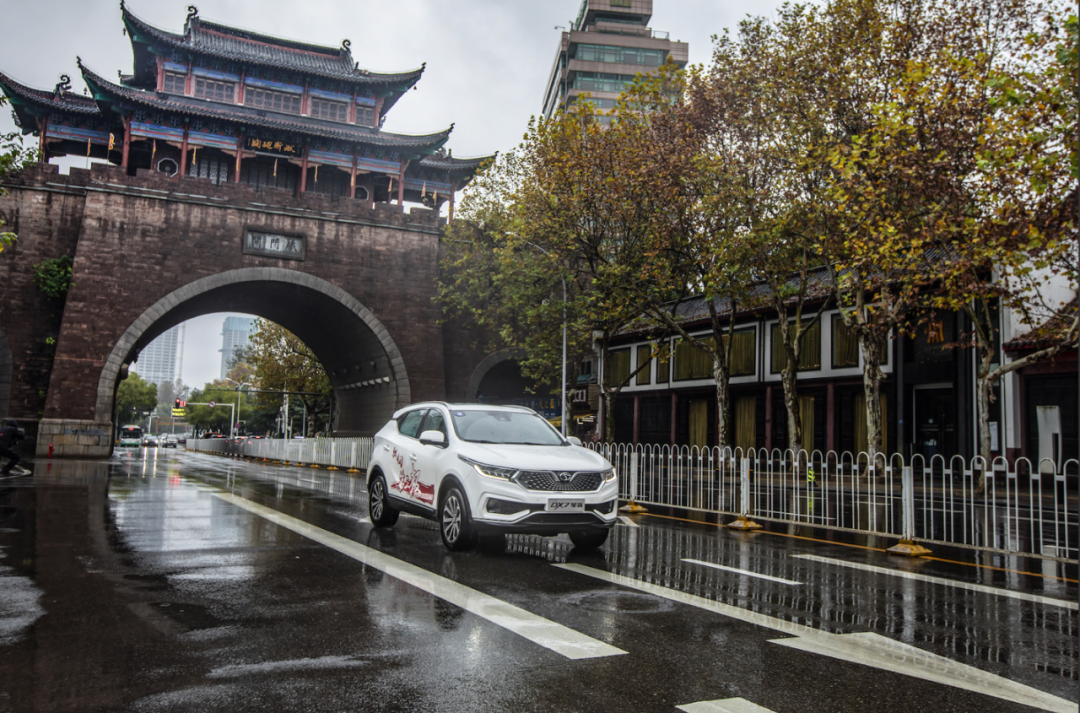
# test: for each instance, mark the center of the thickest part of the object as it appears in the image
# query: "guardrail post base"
(743, 523)
(908, 548)
(633, 507)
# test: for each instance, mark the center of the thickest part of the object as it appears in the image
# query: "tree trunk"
(871, 353)
(723, 406)
(984, 384)
(609, 422)
(791, 403)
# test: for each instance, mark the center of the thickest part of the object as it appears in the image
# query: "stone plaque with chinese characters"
(289, 247)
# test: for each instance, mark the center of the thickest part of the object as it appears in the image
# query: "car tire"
(455, 524)
(589, 539)
(382, 515)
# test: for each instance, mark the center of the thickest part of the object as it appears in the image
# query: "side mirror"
(574, 440)
(433, 438)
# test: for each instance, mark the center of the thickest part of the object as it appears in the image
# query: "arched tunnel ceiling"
(339, 339)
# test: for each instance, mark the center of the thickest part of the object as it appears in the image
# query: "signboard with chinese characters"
(548, 407)
(274, 146)
(289, 247)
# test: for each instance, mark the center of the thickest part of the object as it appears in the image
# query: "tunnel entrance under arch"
(361, 360)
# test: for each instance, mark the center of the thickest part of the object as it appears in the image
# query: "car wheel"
(382, 515)
(454, 521)
(590, 539)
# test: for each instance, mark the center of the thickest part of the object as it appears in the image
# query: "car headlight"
(610, 475)
(490, 471)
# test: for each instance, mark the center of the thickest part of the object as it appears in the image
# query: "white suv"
(478, 469)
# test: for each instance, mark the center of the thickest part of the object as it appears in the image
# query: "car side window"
(409, 423)
(435, 422)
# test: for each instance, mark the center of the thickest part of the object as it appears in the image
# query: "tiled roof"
(243, 46)
(1043, 335)
(63, 100)
(253, 117)
(455, 165)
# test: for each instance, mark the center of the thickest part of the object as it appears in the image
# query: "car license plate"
(562, 505)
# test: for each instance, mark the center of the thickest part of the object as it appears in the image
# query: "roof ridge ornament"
(64, 85)
(192, 12)
(346, 46)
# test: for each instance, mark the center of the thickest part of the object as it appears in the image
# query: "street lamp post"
(562, 385)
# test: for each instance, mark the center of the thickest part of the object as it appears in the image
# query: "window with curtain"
(809, 357)
(862, 440)
(663, 364)
(845, 345)
(806, 415)
(619, 366)
(691, 362)
(699, 423)
(644, 354)
(742, 353)
(746, 422)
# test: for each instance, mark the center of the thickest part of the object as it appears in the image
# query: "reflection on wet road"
(173, 581)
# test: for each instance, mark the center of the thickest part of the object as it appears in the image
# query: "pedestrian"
(10, 434)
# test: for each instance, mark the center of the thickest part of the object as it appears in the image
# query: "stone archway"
(364, 364)
(485, 366)
(6, 369)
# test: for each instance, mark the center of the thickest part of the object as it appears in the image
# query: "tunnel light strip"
(556, 637)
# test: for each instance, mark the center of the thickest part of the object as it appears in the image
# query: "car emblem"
(565, 477)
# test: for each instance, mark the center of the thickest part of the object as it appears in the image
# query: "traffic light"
(177, 404)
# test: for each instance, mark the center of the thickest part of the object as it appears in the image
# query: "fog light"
(504, 507)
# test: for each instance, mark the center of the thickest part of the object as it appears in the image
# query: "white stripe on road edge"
(743, 571)
(727, 705)
(946, 582)
(627, 521)
(868, 649)
(558, 638)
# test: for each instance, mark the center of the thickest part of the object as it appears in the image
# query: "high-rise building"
(608, 45)
(157, 364)
(234, 336)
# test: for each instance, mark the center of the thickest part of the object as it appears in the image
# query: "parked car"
(478, 469)
(169, 442)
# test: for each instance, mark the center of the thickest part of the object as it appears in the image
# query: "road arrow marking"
(556, 637)
(868, 649)
(747, 572)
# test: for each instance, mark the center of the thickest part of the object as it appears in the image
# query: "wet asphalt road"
(156, 582)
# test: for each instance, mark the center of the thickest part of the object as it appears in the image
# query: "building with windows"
(159, 362)
(232, 105)
(609, 44)
(234, 336)
(928, 393)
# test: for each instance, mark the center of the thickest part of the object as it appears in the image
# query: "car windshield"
(519, 428)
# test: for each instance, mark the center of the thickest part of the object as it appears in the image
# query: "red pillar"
(401, 185)
(239, 157)
(378, 111)
(127, 143)
(830, 417)
(352, 179)
(160, 73)
(240, 88)
(674, 415)
(43, 128)
(303, 172)
(453, 190)
(768, 418)
(183, 155)
(637, 419)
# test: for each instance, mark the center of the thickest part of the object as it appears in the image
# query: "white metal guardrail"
(344, 453)
(1017, 508)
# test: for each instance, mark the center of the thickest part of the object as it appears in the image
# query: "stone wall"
(138, 240)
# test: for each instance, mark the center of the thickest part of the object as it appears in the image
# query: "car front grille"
(559, 481)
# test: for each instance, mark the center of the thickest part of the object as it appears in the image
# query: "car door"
(429, 458)
(405, 480)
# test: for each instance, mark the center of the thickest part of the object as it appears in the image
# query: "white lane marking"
(867, 649)
(743, 571)
(560, 639)
(727, 705)
(627, 521)
(946, 582)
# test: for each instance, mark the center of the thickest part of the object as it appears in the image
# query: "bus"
(130, 437)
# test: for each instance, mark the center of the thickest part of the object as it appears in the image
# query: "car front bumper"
(531, 515)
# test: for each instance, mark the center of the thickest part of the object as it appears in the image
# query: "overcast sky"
(487, 63)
